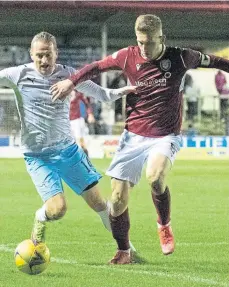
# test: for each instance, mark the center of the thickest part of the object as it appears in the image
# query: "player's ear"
(163, 37)
(31, 54)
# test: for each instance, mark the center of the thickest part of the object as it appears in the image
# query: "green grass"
(80, 246)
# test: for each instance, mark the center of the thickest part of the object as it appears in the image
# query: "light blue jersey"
(45, 124)
(49, 149)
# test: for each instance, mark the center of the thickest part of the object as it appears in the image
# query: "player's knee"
(59, 211)
(116, 197)
(119, 203)
(157, 187)
(119, 190)
(56, 209)
(154, 176)
(156, 181)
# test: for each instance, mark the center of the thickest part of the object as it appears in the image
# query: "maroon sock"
(162, 204)
(120, 226)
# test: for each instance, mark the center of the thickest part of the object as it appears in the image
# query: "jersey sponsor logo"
(152, 83)
(205, 60)
(165, 64)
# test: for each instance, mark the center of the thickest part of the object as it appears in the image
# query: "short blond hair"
(46, 37)
(148, 23)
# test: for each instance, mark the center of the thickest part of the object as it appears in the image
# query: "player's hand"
(91, 118)
(61, 90)
(127, 90)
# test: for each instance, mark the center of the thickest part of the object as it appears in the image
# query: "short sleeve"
(9, 77)
(191, 58)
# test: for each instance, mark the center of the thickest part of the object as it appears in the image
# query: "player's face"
(150, 45)
(44, 56)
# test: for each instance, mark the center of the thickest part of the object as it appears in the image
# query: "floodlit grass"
(80, 246)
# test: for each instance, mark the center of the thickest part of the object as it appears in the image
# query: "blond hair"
(148, 23)
(46, 37)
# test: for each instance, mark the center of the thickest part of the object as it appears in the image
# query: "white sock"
(159, 225)
(41, 215)
(126, 251)
(104, 215)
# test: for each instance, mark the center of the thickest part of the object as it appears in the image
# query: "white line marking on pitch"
(6, 248)
(112, 243)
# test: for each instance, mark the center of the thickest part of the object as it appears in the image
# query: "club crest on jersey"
(165, 64)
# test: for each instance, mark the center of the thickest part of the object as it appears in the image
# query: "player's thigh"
(158, 167)
(46, 180)
(162, 156)
(76, 169)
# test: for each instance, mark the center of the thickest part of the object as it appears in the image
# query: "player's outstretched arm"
(62, 89)
(90, 89)
(115, 94)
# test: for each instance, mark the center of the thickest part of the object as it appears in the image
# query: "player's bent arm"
(113, 62)
(116, 61)
(90, 89)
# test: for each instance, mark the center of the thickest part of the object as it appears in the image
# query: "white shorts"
(134, 150)
(79, 128)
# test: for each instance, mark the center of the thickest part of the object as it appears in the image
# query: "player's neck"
(160, 53)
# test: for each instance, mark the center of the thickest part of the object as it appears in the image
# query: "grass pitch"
(80, 246)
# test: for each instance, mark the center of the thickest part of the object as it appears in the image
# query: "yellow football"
(31, 259)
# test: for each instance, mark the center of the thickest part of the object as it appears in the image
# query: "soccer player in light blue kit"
(50, 152)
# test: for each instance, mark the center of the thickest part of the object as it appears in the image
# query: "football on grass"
(31, 259)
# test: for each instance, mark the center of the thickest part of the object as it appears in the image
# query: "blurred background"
(90, 30)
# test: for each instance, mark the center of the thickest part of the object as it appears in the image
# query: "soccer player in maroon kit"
(78, 125)
(152, 128)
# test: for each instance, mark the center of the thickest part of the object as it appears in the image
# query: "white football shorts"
(134, 150)
(79, 128)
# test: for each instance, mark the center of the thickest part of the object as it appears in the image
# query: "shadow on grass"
(139, 259)
(136, 258)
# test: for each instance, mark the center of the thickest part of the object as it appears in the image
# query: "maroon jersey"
(156, 109)
(75, 106)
